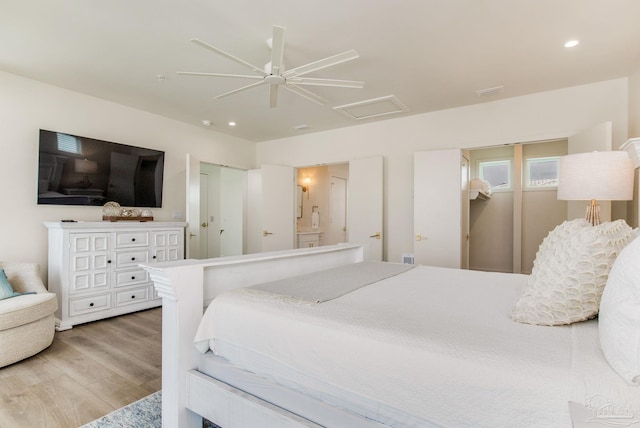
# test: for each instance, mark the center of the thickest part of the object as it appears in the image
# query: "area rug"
(146, 412)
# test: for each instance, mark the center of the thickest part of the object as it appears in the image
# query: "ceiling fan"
(276, 76)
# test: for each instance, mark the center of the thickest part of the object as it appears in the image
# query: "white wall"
(634, 102)
(542, 116)
(27, 106)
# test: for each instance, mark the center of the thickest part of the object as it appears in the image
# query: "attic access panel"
(375, 107)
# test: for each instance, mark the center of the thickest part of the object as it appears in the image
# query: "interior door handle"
(377, 235)
(204, 224)
(265, 233)
(420, 237)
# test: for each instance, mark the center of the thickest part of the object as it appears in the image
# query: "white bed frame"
(186, 286)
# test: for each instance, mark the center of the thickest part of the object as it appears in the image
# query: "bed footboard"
(187, 285)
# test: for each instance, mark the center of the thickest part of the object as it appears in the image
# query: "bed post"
(181, 290)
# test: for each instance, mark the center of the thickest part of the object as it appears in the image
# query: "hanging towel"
(315, 220)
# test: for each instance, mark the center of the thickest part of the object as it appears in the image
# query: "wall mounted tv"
(75, 170)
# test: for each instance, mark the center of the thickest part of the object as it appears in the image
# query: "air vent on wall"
(407, 258)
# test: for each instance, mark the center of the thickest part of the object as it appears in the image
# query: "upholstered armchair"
(27, 322)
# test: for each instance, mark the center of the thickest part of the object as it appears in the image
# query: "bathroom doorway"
(321, 210)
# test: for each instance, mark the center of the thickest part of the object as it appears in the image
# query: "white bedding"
(429, 347)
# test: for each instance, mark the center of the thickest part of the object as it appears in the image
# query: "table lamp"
(605, 176)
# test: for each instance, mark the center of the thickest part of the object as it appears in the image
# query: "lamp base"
(593, 213)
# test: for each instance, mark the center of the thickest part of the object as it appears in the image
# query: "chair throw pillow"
(6, 290)
(619, 319)
(570, 271)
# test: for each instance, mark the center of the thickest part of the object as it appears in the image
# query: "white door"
(254, 211)
(278, 207)
(338, 214)
(203, 234)
(598, 138)
(231, 222)
(192, 247)
(437, 208)
(365, 210)
(464, 211)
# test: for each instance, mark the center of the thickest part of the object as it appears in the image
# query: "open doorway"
(507, 227)
(321, 207)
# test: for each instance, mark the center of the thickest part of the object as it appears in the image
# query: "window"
(497, 173)
(541, 173)
(69, 143)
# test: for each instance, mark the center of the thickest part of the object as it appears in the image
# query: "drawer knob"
(108, 261)
(154, 257)
(133, 277)
(133, 239)
(133, 296)
(91, 304)
(133, 258)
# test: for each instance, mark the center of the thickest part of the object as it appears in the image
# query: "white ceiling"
(429, 54)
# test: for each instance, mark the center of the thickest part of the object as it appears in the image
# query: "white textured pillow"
(570, 272)
(619, 319)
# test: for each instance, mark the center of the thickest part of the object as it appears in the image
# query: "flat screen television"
(74, 170)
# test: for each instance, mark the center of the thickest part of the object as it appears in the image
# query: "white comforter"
(432, 346)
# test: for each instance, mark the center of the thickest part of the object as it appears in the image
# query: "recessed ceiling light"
(572, 43)
(206, 122)
(231, 124)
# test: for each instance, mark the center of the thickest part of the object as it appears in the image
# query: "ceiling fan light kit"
(274, 74)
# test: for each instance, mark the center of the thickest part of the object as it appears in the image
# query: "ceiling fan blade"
(273, 96)
(228, 55)
(320, 64)
(326, 82)
(244, 88)
(239, 76)
(277, 50)
(304, 93)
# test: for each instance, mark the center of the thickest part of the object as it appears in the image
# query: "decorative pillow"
(619, 319)
(6, 290)
(570, 272)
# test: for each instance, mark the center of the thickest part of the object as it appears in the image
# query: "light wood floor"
(87, 372)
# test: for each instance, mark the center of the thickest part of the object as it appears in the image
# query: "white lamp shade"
(85, 166)
(604, 176)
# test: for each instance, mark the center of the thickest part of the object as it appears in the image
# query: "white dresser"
(94, 266)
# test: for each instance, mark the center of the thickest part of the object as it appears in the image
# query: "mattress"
(428, 347)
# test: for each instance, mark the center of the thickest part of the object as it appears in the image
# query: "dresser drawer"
(128, 277)
(85, 305)
(132, 295)
(132, 239)
(132, 258)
